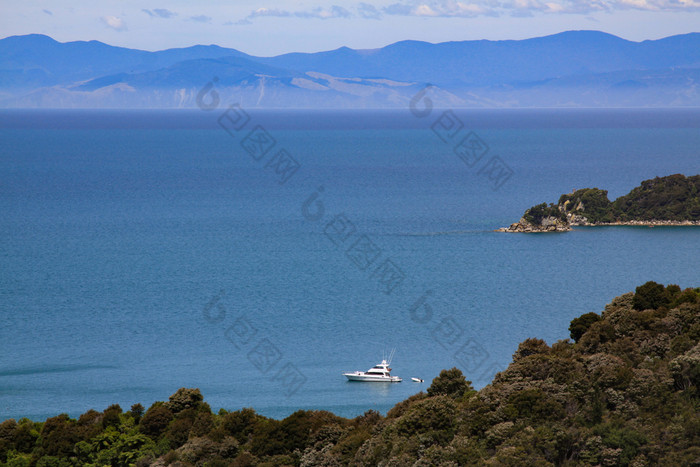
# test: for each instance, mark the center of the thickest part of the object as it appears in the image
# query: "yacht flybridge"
(380, 373)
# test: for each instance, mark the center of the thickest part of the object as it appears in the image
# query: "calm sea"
(145, 251)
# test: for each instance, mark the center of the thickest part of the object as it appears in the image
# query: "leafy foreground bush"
(626, 392)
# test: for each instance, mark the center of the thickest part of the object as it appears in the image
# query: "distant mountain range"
(570, 69)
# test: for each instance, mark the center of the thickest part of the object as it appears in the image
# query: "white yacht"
(378, 373)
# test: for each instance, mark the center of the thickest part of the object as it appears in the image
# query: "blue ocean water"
(144, 251)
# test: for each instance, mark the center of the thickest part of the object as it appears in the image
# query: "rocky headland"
(663, 201)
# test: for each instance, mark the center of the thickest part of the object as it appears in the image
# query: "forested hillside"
(673, 198)
(670, 200)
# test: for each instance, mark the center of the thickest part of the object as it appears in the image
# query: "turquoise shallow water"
(145, 251)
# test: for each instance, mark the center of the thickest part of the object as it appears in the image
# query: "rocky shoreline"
(652, 223)
(555, 225)
(548, 224)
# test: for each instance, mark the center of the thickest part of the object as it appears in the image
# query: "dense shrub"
(110, 416)
(529, 347)
(650, 296)
(58, 436)
(183, 399)
(531, 404)
(240, 424)
(580, 325)
(156, 420)
(450, 383)
(137, 412)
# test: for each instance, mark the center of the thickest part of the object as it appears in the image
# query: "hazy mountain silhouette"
(574, 68)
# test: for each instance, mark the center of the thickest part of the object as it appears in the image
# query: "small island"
(672, 200)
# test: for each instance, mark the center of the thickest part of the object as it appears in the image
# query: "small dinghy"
(416, 380)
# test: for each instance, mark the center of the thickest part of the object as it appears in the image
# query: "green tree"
(111, 416)
(685, 369)
(529, 347)
(58, 436)
(580, 325)
(16, 459)
(137, 412)
(240, 423)
(178, 431)
(650, 296)
(25, 435)
(686, 296)
(7, 431)
(184, 398)
(450, 383)
(617, 436)
(53, 461)
(534, 404)
(434, 416)
(156, 420)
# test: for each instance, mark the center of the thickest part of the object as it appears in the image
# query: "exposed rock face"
(548, 224)
(577, 219)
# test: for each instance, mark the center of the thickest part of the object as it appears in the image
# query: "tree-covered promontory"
(671, 200)
(625, 390)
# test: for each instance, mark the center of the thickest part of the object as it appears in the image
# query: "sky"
(267, 28)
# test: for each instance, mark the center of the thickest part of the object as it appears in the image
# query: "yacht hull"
(371, 378)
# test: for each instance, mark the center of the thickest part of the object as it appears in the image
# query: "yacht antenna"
(391, 356)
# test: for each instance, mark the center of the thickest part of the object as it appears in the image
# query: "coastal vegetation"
(674, 199)
(536, 214)
(591, 203)
(625, 390)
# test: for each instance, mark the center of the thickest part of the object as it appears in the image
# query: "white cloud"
(424, 10)
(444, 8)
(334, 11)
(324, 13)
(200, 19)
(398, 9)
(471, 8)
(365, 10)
(269, 12)
(113, 22)
(159, 13)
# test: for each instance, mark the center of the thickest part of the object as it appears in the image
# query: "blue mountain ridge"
(572, 68)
